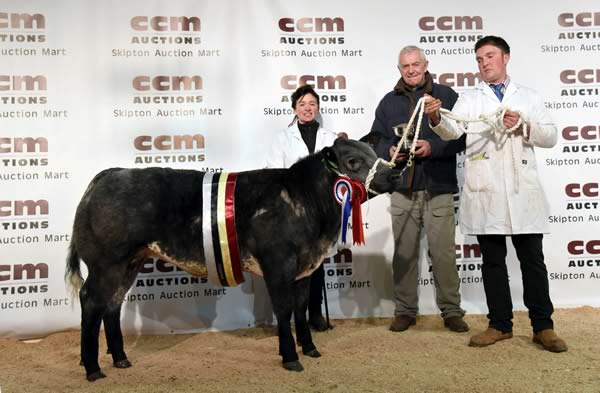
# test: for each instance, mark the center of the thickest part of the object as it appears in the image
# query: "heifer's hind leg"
(101, 298)
(114, 337)
(92, 309)
(112, 318)
(301, 294)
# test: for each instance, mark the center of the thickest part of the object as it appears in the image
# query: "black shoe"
(456, 324)
(318, 323)
(402, 322)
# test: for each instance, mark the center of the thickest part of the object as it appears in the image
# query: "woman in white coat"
(304, 136)
(502, 195)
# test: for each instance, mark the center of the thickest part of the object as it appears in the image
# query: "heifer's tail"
(73, 272)
(73, 275)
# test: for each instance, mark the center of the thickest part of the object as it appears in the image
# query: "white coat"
(502, 193)
(288, 146)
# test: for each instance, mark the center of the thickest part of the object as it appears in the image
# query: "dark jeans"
(315, 298)
(536, 294)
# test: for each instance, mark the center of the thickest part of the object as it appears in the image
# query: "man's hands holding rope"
(510, 120)
(423, 149)
(433, 105)
(432, 109)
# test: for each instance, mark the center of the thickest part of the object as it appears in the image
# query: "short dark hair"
(498, 42)
(301, 92)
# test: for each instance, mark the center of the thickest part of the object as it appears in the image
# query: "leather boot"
(402, 322)
(488, 337)
(550, 341)
(456, 324)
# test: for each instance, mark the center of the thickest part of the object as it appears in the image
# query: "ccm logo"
(582, 76)
(22, 82)
(573, 133)
(310, 25)
(165, 23)
(23, 145)
(320, 82)
(21, 21)
(164, 83)
(583, 19)
(576, 190)
(458, 79)
(169, 142)
(429, 23)
(23, 208)
(578, 247)
(23, 272)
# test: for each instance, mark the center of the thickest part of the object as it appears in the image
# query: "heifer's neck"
(314, 182)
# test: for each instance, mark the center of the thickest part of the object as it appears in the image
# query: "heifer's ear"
(330, 157)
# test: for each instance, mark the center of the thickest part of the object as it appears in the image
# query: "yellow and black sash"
(221, 251)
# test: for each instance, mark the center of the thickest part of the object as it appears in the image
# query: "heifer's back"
(124, 210)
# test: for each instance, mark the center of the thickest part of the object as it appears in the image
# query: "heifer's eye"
(353, 164)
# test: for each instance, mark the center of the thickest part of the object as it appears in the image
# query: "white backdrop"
(86, 85)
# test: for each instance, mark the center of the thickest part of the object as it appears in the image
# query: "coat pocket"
(479, 175)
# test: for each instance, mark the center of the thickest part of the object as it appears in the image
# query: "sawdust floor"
(359, 355)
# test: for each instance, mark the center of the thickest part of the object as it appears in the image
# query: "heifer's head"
(355, 159)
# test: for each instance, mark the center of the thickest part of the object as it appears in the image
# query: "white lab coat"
(502, 193)
(288, 146)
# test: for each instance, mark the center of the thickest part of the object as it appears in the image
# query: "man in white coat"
(302, 137)
(502, 195)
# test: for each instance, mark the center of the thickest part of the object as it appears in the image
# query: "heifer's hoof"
(122, 364)
(293, 366)
(313, 353)
(94, 376)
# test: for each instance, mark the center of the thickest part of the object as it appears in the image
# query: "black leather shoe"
(456, 324)
(318, 323)
(402, 322)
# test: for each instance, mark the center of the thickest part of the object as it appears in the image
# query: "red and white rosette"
(350, 194)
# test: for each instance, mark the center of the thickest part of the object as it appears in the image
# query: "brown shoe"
(456, 324)
(550, 341)
(402, 322)
(489, 337)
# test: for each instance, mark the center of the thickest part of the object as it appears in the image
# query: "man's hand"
(423, 148)
(510, 120)
(432, 109)
(400, 157)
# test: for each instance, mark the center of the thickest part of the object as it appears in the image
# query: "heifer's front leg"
(280, 285)
(301, 294)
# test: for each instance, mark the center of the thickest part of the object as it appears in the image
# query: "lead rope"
(493, 119)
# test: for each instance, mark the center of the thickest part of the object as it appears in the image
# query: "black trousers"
(536, 294)
(315, 298)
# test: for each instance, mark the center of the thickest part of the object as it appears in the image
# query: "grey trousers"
(411, 212)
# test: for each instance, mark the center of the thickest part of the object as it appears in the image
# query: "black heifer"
(286, 220)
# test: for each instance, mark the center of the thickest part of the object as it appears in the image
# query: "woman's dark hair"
(498, 42)
(301, 92)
